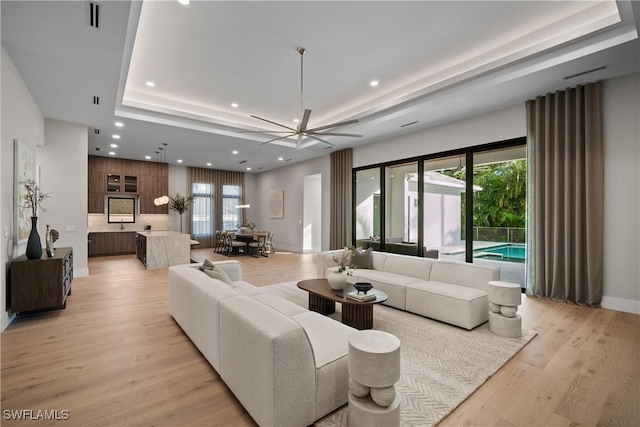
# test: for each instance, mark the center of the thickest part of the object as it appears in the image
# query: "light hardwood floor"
(115, 357)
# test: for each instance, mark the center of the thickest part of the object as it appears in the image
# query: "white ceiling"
(436, 62)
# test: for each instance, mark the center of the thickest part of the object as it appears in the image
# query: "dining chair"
(267, 243)
(258, 244)
(235, 243)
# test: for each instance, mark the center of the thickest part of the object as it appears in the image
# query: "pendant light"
(162, 200)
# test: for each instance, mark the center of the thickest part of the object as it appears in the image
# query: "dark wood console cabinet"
(41, 284)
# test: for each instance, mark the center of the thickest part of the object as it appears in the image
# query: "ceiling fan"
(302, 129)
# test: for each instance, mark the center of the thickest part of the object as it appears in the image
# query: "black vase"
(34, 247)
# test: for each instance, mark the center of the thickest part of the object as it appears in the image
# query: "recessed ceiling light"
(280, 158)
(119, 124)
(150, 84)
(147, 157)
(234, 105)
(208, 164)
(373, 83)
(248, 169)
(184, 2)
(114, 145)
(112, 153)
(295, 120)
(235, 152)
(179, 160)
(115, 136)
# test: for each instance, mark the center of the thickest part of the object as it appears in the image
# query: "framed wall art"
(22, 169)
(276, 203)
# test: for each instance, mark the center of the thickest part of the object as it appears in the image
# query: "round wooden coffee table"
(322, 299)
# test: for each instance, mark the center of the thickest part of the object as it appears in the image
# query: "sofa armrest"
(267, 361)
(232, 267)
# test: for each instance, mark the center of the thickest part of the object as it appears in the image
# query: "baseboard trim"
(80, 272)
(619, 304)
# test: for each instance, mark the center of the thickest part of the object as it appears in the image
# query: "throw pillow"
(206, 265)
(362, 258)
(218, 273)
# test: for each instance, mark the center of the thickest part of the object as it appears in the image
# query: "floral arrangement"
(33, 196)
(248, 224)
(180, 203)
(344, 260)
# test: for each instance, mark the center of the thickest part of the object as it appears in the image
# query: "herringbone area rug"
(441, 365)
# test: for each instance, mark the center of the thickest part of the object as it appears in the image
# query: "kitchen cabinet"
(112, 243)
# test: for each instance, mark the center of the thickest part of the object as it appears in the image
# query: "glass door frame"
(468, 152)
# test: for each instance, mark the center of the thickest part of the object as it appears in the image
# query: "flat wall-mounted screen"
(122, 209)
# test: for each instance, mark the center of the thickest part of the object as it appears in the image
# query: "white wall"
(499, 125)
(621, 99)
(21, 119)
(62, 163)
(288, 231)
(178, 184)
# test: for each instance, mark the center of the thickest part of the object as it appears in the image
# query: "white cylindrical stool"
(374, 368)
(504, 299)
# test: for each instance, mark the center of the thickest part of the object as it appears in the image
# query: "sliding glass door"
(401, 208)
(468, 206)
(443, 207)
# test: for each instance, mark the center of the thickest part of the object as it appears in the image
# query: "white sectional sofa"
(287, 366)
(448, 291)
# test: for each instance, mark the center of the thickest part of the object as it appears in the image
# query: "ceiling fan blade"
(276, 139)
(302, 127)
(265, 131)
(272, 122)
(335, 134)
(321, 140)
(300, 135)
(347, 122)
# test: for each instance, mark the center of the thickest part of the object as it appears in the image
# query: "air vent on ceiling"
(586, 72)
(408, 124)
(241, 162)
(96, 100)
(287, 160)
(96, 131)
(94, 14)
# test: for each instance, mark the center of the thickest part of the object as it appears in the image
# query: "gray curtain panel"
(212, 194)
(564, 130)
(340, 223)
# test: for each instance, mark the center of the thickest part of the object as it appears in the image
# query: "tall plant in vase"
(180, 204)
(33, 198)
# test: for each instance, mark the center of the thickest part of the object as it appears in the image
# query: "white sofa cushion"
(408, 266)
(465, 274)
(392, 284)
(245, 288)
(458, 305)
(282, 305)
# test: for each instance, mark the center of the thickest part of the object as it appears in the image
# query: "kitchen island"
(161, 249)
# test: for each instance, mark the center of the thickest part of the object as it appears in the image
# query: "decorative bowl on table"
(363, 287)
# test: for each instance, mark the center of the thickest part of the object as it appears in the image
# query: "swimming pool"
(513, 252)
